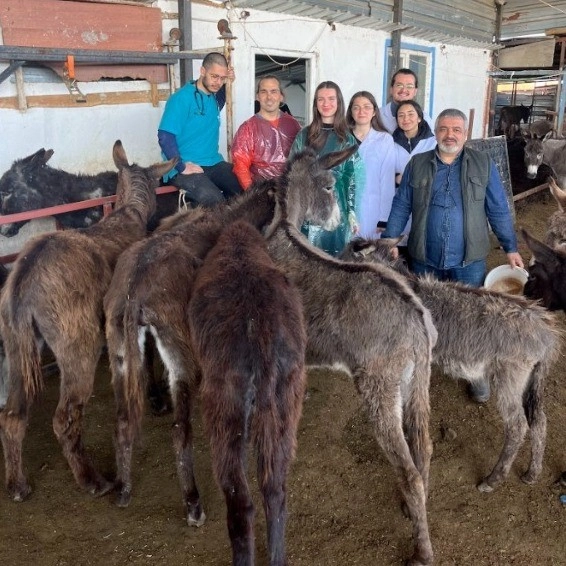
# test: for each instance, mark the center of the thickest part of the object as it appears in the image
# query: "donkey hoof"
(418, 560)
(196, 516)
(100, 488)
(19, 493)
(123, 498)
(484, 487)
(529, 478)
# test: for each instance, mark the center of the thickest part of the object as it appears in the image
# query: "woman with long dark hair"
(329, 132)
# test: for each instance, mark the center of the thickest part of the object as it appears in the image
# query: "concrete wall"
(82, 137)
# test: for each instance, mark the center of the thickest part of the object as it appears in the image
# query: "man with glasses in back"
(404, 86)
(190, 129)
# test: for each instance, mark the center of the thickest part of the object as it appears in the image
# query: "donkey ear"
(40, 157)
(330, 160)
(541, 252)
(547, 135)
(119, 155)
(157, 170)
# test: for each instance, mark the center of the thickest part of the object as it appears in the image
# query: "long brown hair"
(376, 122)
(316, 136)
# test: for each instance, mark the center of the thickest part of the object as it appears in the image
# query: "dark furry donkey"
(54, 294)
(483, 334)
(150, 292)
(30, 184)
(247, 329)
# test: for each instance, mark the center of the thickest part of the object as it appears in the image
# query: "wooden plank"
(530, 192)
(531, 55)
(92, 99)
(85, 25)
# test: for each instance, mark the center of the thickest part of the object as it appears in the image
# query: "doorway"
(292, 73)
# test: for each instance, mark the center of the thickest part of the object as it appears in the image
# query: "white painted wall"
(82, 137)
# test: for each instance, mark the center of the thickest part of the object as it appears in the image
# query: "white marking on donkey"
(483, 334)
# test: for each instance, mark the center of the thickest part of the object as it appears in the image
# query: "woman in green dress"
(329, 132)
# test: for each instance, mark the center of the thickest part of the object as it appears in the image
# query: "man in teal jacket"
(190, 130)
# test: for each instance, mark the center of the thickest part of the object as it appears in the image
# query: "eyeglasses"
(220, 78)
(401, 86)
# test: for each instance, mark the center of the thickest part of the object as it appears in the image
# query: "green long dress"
(347, 176)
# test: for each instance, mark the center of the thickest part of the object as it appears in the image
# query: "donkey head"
(534, 153)
(361, 250)
(547, 275)
(136, 185)
(307, 188)
(20, 187)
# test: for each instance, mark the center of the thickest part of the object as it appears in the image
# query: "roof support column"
(186, 39)
(396, 38)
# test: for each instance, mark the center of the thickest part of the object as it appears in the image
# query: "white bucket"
(506, 279)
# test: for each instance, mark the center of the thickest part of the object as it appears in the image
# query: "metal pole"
(227, 36)
(186, 40)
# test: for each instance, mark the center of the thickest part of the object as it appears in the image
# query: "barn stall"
(341, 503)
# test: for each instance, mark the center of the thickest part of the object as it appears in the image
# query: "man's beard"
(448, 148)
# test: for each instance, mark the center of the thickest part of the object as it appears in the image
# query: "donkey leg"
(128, 395)
(510, 404)
(183, 445)
(536, 419)
(382, 396)
(77, 377)
(13, 425)
(225, 423)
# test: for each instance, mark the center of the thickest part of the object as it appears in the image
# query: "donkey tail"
(133, 369)
(21, 347)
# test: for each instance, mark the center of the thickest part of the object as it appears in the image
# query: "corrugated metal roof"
(461, 22)
(529, 17)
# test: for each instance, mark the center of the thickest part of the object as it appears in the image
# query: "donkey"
(549, 151)
(247, 330)
(482, 335)
(547, 273)
(510, 119)
(54, 294)
(150, 291)
(387, 349)
(30, 184)
(556, 226)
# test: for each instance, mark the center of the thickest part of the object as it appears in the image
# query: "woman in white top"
(376, 148)
(412, 135)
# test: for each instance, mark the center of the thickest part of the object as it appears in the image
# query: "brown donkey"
(54, 295)
(247, 329)
(150, 292)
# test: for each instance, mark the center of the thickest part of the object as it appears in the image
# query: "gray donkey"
(365, 319)
(483, 334)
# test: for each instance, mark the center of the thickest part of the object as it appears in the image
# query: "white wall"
(82, 137)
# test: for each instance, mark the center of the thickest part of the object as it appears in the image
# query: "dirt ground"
(344, 507)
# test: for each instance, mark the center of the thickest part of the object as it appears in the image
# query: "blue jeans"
(472, 274)
(216, 184)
